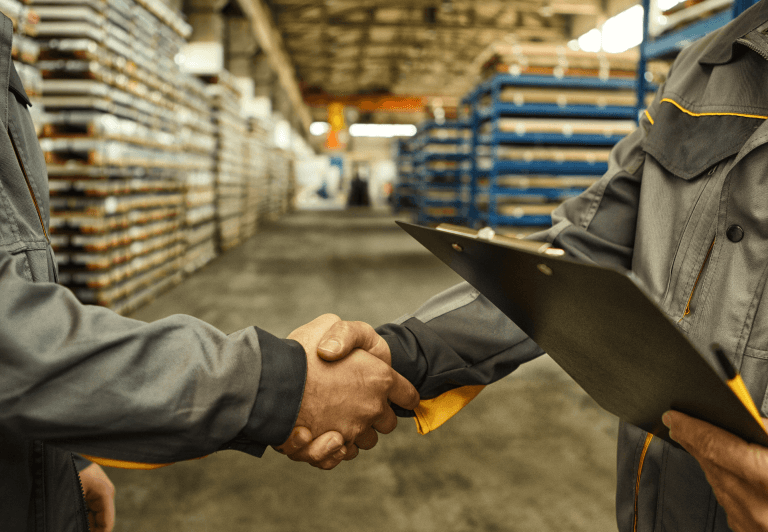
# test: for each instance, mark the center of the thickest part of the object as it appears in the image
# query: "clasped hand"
(347, 392)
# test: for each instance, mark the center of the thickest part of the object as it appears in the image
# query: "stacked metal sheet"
(114, 139)
(282, 183)
(555, 60)
(255, 178)
(197, 139)
(25, 52)
(230, 158)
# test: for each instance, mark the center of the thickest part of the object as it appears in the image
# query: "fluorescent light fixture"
(663, 5)
(624, 31)
(590, 41)
(319, 128)
(617, 34)
(382, 130)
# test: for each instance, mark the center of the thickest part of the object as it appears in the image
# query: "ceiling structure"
(348, 48)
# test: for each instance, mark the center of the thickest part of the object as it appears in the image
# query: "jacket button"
(735, 233)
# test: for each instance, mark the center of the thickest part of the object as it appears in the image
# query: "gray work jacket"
(84, 379)
(684, 205)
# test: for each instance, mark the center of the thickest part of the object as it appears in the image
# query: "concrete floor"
(531, 453)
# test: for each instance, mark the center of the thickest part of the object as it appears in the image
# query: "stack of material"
(441, 163)
(25, 53)
(686, 13)
(282, 183)
(404, 192)
(231, 155)
(197, 139)
(257, 172)
(555, 60)
(116, 162)
(542, 139)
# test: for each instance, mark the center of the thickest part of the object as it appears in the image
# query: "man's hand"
(344, 402)
(99, 497)
(736, 470)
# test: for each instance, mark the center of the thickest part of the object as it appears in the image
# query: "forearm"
(458, 338)
(104, 385)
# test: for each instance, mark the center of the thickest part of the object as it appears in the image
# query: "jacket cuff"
(281, 388)
(407, 356)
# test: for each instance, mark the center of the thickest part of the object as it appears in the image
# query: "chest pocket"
(682, 140)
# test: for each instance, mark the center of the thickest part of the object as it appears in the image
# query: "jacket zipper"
(29, 186)
(698, 278)
(647, 444)
(83, 507)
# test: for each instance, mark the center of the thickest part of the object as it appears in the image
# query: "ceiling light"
(319, 128)
(382, 130)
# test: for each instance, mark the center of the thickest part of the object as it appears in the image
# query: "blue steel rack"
(488, 139)
(441, 169)
(404, 191)
(670, 44)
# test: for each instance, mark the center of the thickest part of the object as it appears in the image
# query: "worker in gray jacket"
(127, 393)
(684, 206)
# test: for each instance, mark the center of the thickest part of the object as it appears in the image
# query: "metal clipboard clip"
(489, 235)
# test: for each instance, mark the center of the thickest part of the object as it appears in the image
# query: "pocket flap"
(688, 143)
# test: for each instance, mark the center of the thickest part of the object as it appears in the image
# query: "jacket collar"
(720, 51)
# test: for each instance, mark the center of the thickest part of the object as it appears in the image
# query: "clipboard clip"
(489, 235)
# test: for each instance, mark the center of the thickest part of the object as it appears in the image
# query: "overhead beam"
(300, 27)
(271, 42)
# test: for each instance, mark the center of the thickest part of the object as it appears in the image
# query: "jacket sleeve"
(458, 338)
(96, 383)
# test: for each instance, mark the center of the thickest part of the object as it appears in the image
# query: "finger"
(403, 393)
(323, 322)
(344, 336)
(328, 463)
(387, 423)
(300, 437)
(322, 448)
(352, 452)
(367, 439)
(712, 444)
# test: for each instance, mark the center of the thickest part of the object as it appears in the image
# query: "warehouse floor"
(531, 453)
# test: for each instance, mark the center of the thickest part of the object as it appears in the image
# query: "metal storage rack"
(442, 171)
(534, 147)
(404, 191)
(695, 24)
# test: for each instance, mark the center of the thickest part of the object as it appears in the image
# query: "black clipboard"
(599, 325)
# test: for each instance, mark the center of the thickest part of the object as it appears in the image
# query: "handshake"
(350, 383)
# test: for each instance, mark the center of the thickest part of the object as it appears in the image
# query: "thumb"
(345, 336)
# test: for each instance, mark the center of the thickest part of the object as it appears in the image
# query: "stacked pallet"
(257, 171)
(197, 139)
(441, 164)
(231, 155)
(555, 60)
(25, 52)
(282, 183)
(116, 164)
(540, 140)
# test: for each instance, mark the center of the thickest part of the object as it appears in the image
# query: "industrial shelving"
(538, 140)
(149, 166)
(441, 171)
(688, 25)
(404, 191)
